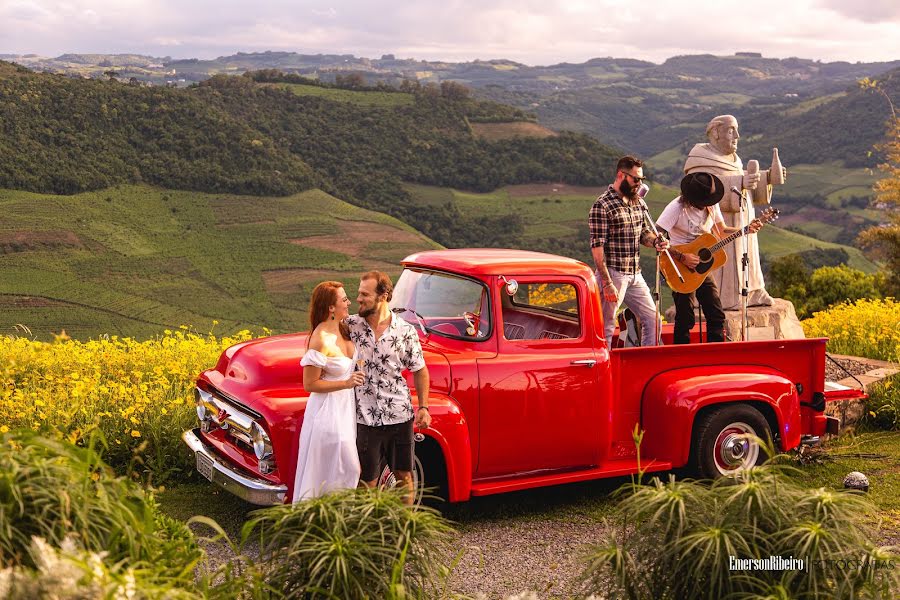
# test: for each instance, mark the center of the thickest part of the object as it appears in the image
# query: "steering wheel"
(473, 321)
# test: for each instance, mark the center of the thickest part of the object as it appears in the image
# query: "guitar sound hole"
(705, 257)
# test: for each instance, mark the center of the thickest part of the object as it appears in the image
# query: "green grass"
(133, 260)
(826, 179)
(358, 97)
(875, 453)
(775, 242)
(809, 105)
(819, 230)
(729, 98)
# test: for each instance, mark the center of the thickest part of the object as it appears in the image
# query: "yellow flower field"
(139, 395)
(868, 328)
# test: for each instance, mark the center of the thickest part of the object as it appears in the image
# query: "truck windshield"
(449, 306)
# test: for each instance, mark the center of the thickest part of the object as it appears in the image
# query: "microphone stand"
(745, 261)
(653, 228)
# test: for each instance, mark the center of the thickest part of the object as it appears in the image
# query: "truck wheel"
(721, 447)
(387, 479)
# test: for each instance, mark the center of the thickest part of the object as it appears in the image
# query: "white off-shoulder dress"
(327, 459)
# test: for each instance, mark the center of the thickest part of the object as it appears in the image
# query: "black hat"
(702, 189)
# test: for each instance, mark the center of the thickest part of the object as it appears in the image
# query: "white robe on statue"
(729, 168)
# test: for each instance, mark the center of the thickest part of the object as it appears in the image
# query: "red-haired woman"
(328, 459)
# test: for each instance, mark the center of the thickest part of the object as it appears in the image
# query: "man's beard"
(366, 312)
(627, 190)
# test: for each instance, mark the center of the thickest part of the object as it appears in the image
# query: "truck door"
(539, 397)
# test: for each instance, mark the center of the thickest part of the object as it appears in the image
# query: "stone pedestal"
(776, 322)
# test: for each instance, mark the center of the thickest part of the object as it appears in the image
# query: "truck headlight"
(262, 445)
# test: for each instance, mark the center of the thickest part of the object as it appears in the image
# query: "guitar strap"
(715, 225)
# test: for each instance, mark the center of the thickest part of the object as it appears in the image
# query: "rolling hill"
(133, 260)
(134, 208)
(240, 135)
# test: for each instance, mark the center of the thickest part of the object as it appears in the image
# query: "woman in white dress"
(328, 459)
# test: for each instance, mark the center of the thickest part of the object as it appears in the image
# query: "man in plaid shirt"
(617, 232)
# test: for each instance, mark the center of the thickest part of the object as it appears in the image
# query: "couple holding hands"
(359, 407)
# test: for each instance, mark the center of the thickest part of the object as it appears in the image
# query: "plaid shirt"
(384, 398)
(618, 226)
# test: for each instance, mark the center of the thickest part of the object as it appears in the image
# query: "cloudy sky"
(536, 32)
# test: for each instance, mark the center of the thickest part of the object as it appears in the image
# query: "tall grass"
(52, 490)
(353, 544)
(676, 540)
(883, 404)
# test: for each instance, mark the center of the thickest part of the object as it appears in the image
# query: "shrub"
(811, 291)
(139, 395)
(868, 328)
(52, 490)
(352, 544)
(677, 540)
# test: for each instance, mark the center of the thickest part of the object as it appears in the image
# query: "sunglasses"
(638, 180)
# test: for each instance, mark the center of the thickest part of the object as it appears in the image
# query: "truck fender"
(450, 431)
(671, 401)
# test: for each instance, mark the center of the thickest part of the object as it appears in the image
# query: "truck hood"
(265, 374)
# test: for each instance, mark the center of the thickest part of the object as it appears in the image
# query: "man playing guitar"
(687, 217)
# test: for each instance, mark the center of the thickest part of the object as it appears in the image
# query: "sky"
(534, 32)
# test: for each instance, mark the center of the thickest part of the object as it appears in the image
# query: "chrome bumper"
(252, 489)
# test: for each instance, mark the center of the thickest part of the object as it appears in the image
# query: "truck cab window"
(542, 311)
(448, 306)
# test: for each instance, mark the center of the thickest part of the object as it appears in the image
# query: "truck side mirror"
(512, 286)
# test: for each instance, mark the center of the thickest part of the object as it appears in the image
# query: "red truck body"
(524, 390)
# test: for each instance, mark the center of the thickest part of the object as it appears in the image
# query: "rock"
(856, 481)
(775, 322)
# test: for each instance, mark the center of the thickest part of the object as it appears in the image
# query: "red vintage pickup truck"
(524, 390)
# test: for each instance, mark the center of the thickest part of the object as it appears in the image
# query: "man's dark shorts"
(395, 441)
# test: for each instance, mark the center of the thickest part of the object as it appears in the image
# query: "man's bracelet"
(425, 408)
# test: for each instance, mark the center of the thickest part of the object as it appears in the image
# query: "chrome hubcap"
(734, 451)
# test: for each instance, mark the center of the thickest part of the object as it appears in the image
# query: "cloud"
(871, 11)
(529, 31)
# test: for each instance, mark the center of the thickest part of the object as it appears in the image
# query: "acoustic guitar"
(711, 251)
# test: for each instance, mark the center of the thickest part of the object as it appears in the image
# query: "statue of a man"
(719, 156)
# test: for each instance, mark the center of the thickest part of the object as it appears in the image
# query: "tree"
(884, 238)
(453, 90)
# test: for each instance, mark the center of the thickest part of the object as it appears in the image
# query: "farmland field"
(358, 97)
(132, 260)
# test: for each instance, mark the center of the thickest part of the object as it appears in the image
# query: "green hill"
(133, 260)
(63, 135)
(250, 135)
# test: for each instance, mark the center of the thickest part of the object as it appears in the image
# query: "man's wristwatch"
(425, 408)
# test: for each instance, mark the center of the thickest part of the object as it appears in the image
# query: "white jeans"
(632, 290)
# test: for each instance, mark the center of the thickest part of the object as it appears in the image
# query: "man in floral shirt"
(386, 345)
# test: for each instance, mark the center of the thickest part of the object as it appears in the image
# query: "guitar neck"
(727, 240)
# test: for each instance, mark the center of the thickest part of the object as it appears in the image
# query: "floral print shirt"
(384, 398)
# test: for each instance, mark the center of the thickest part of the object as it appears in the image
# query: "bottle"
(776, 174)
